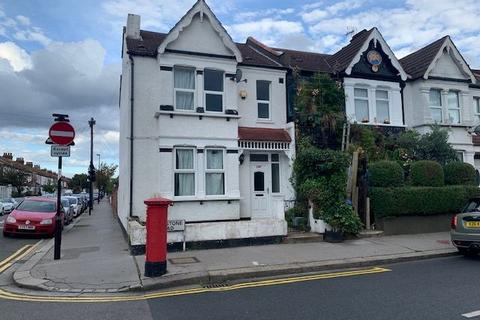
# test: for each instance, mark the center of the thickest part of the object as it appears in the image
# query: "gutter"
(132, 100)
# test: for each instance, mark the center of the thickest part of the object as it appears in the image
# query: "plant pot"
(333, 236)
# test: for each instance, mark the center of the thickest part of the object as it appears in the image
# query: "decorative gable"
(375, 63)
(449, 63)
(199, 30)
(371, 43)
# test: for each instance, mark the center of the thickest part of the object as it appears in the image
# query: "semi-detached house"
(208, 123)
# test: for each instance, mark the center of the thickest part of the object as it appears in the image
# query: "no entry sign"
(62, 133)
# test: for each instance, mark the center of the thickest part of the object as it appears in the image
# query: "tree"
(78, 182)
(105, 176)
(49, 187)
(434, 146)
(18, 179)
(320, 110)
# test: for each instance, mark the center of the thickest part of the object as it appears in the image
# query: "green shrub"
(387, 202)
(459, 173)
(427, 173)
(385, 174)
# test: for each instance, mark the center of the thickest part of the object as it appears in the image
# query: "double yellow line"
(163, 294)
(17, 255)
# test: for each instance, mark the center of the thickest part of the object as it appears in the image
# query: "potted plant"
(342, 220)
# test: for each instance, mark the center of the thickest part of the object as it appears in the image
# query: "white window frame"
(222, 171)
(222, 93)
(476, 109)
(440, 107)
(272, 162)
(457, 93)
(194, 170)
(387, 100)
(460, 155)
(367, 98)
(185, 90)
(264, 101)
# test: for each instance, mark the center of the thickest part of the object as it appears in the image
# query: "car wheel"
(6, 234)
(467, 252)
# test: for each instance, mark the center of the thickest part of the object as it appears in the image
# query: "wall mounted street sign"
(59, 151)
(61, 133)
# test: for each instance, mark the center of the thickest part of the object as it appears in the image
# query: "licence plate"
(26, 227)
(472, 224)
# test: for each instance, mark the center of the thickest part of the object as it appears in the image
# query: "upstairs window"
(435, 101)
(476, 108)
(382, 104)
(184, 87)
(453, 107)
(213, 87)
(214, 173)
(361, 105)
(184, 172)
(263, 99)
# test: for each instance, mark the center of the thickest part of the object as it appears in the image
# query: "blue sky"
(64, 56)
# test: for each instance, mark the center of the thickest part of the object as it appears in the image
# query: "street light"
(98, 169)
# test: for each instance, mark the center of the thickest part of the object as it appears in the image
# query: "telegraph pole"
(91, 168)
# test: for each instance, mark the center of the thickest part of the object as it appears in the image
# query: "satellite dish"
(238, 75)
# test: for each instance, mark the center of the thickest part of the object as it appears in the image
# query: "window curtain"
(184, 182)
(184, 79)
(215, 184)
(214, 159)
(184, 159)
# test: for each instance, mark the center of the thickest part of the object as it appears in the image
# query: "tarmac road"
(442, 288)
(10, 245)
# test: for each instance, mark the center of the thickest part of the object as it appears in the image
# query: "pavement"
(96, 259)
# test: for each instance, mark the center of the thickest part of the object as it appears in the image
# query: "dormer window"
(184, 87)
(213, 87)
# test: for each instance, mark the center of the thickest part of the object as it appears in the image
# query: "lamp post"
(91, 168)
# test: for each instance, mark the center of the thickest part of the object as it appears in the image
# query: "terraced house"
(208, 123)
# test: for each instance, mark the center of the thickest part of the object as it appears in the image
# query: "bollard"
(156, 245)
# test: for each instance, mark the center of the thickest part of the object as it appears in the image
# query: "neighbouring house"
(203, 122)
(36, 177)
(443, 89)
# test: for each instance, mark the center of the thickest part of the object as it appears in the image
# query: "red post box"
(156, 246)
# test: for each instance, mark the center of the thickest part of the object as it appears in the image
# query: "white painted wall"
(394, 95)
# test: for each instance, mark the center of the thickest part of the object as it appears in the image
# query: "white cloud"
(16, 56)
(23, 20)
(267, 30)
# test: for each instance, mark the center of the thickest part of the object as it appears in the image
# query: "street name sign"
(61, 133)
(60, 151)
(176, 225)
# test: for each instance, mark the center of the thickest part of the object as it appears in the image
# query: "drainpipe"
(132, 94)
(402, 87)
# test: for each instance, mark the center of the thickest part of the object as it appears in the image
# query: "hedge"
(385, 174)
(390, 202)
(459, 173)
(427, 173)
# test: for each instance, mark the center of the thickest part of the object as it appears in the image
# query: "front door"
(260, 190)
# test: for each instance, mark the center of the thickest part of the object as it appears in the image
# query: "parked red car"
(34, 216)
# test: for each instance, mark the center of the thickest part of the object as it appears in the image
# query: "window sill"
(206, 199)
(265, 121)
(195, 114)
(379, 124)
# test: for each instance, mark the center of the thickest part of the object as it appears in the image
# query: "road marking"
(472, 314)
(163, 294)
(17, 255)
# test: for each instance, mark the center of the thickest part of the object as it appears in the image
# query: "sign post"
(61, 135)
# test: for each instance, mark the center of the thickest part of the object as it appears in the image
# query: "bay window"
(213, 87)
(263, 99)
(453, 107)
(435, 102)
(214, 172)
(184, 172)
(361, 105)
(382, 105)
(184, 87)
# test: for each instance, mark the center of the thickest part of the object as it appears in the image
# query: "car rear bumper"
(465, 240)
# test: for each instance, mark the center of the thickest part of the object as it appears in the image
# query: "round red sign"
(62, 133)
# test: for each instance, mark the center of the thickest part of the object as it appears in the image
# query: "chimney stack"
(29, 164)
(20, 160)
(133, 26)
(8, 155)
(37, 167)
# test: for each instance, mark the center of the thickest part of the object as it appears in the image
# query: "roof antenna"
(351, 30)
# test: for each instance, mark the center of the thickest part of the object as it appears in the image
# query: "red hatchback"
(32, 216)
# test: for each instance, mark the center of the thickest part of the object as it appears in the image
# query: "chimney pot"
(133, 26)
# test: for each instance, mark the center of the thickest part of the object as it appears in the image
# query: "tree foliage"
(78, 182)
(105, 176)
(49, 187)
(18, 179)
(320, 110)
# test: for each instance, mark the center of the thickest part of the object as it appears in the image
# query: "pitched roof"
(263, 134)
(476, 73)
(417, 63)
(147, 45)
(342, 58)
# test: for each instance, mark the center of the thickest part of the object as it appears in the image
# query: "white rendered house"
(443, 89)
(203, 122)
